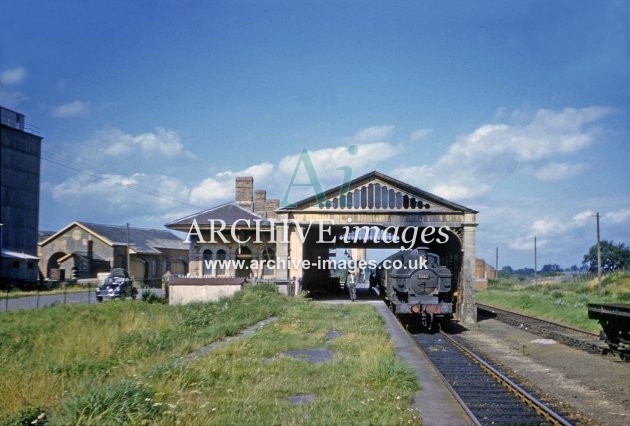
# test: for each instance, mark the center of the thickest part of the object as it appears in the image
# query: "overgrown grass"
(565, 302)
(114, 363)
(69, 288)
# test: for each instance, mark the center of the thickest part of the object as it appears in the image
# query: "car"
(117, 285)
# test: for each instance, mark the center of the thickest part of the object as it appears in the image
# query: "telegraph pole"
(599, 261)
(535, 261)
(128, 254)
(496, 263)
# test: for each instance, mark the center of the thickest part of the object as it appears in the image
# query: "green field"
(563, 302)
(113, 363)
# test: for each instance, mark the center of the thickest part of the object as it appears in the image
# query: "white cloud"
(115, 194)
(70, 109)
(12, 76)
(559, 171)
(550, 226)
(372, 134)
(419, 134)
(113, 142)
(326, 162)
(619, 216)
(220, 187)
(475, 161)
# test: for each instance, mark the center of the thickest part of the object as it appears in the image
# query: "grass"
(113, 363)
(69, 288)
(564, 302)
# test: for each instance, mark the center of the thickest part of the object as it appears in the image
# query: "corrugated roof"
(10, 254)
(141, 240)
(228, 213)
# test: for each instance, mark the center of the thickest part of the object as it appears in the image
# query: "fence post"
(65, 293)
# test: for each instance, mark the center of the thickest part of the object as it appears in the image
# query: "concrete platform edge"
(434, 401)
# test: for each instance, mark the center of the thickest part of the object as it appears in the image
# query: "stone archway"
(52, 267)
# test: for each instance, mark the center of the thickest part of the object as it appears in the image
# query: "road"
(33, 302)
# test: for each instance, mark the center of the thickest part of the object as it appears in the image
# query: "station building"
(83, 250)
(246, 234)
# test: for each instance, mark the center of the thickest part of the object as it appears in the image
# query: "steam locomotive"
(416, 288)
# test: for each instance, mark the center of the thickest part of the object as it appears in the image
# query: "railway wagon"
(615, 322)
(416, 287)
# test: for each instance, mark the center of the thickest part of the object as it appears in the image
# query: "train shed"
(297, 243)
(378, 211)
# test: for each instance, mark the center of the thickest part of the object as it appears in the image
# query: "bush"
(27, 416)
(500, 284)
(151, 297)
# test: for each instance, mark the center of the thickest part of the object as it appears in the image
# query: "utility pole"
(128, 254)
(535, 261)
(599, 261)
(496, 263)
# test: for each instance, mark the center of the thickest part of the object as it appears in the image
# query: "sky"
(149, 109)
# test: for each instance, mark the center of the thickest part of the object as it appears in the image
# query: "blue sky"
(148, 109)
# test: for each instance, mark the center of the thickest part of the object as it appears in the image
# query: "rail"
(565, 334)
(487, 395)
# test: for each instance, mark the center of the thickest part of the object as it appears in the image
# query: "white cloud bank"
(530, 145)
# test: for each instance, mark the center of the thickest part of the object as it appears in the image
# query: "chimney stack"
(245, 192)
(260, 200)
(270, 207)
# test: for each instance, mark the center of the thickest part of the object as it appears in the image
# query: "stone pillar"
(282, 248)
(295, 262)
(468, 312)
(245, 192)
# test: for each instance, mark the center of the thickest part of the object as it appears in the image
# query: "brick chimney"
(260, 201)
(245, 192)
(270, 208)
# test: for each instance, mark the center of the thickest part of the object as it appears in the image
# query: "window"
(16, 264)
(207, 262)
(268, 255)
(220, 266)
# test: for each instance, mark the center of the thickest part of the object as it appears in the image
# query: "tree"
(614, 257)
(548, 269)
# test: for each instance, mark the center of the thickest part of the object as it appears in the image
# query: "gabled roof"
(334, 200)
(141, 240)
(95, 257)
(228, 213)
(44, 235)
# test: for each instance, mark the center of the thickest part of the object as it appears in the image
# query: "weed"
(152, 297)
(121, 402)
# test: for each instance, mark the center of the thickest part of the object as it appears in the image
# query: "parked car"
(117, 285)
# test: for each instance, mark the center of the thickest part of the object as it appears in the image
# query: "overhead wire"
(73, 165)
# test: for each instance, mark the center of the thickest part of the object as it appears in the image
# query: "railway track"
(566, 335)
(489, 397)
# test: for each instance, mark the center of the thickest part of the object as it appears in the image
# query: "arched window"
(220, 258)
(268, 255)
(207, 262)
